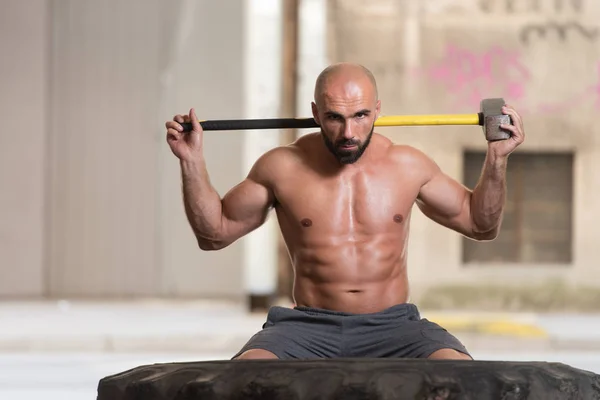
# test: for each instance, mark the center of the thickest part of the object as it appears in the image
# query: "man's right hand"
(186, 146)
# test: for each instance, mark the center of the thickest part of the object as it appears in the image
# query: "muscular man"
(343, 198)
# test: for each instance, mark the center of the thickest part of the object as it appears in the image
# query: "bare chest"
(366, 202)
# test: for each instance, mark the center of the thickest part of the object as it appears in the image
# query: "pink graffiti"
(497, 72)
(471, 76)
(577, 100)
(597, 86)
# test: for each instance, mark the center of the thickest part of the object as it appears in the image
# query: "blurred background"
(99, 270)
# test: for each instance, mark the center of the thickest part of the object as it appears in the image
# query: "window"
(537, 217)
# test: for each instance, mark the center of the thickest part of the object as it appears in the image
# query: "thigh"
(292, 334)
(255, 354)
(432, 339)
(408, 338)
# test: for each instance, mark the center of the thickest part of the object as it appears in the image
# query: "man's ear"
(377, 109)
(315, 112)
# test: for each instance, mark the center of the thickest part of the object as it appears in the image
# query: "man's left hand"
(502, 148)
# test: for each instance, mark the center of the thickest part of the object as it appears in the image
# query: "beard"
(345, 156)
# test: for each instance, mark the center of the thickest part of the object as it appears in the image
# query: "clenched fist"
(187, 146)
(503, 148)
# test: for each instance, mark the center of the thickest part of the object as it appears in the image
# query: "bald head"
(345, 79)
(346, 106)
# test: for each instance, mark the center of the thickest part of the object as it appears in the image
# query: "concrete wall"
(433, 57)
(101, 228)
(23, 138)
(204, 68)
(91, 194)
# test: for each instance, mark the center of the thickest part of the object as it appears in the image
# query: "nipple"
(306, 222)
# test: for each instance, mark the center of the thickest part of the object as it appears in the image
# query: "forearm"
(489, 196)
(202, 203)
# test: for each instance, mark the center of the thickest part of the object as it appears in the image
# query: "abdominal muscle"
(362, 275)
(346, 231)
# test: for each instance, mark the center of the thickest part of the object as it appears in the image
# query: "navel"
(398, 218)
(306, 222)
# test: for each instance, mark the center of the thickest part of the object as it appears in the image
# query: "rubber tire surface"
(351, 379)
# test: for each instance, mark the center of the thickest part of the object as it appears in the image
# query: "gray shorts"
(304, 333)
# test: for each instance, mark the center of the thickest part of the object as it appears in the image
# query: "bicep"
(245, 207)
(446, 201)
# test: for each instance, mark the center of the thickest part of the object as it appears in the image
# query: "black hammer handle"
(243, 124)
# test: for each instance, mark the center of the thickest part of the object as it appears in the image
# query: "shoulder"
(408, 154)
(410, 158)
(282, 156)
(400, 153)
(276, 161)
(295, 153)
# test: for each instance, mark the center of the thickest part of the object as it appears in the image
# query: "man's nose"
(348, 133)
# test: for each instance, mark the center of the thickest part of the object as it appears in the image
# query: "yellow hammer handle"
(415, 120)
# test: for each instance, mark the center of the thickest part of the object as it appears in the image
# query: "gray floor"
(56, 376)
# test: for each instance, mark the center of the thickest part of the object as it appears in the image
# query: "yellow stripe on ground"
(491, 327)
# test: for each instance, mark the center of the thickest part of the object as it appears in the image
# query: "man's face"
(347, 151)
(347, 115)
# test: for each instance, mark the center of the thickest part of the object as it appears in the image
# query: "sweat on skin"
(343, 196)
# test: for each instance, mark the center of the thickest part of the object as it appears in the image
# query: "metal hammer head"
(491, 118)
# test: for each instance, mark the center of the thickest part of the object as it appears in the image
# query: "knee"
(449, 354)
(256, 354)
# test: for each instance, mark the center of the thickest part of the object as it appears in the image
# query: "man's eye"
(360, 115)
(334, 117)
